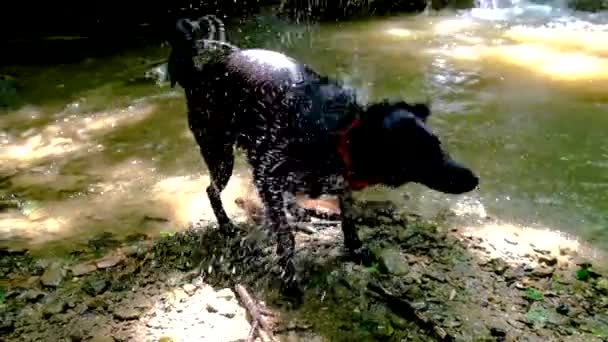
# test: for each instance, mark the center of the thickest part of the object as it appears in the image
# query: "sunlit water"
(518, 93)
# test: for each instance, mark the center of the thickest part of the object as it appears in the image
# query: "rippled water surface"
(519, 93)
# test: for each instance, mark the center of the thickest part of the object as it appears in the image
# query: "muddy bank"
(428, 284)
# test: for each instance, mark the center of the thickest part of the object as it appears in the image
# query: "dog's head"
(396, 145)
(183, 48)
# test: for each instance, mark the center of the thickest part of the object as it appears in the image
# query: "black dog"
(302, 132)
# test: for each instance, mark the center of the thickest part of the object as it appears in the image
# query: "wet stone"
(95, 287)
(126, 314)
(53, 275)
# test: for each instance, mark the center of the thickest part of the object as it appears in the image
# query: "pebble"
(126, 314)
(189, 289)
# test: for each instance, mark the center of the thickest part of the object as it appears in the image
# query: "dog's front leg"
(352, 242)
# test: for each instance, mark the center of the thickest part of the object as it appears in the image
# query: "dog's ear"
(183, 47)
(185, 30)
(421, 110)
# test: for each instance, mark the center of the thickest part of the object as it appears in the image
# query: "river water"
(519, 93)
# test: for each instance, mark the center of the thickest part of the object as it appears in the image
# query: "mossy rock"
(588, 5)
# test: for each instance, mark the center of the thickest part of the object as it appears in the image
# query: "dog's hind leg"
(220, 162)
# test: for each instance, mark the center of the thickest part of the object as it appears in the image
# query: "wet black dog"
(302, 132)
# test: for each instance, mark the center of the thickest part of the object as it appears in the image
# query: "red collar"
(343, 151)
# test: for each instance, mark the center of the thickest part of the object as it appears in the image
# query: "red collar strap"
(343, 151)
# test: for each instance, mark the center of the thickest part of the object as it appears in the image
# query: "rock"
(76, 336)
(392, 261)
(179, 296)
(499, 266)
(498, 332)
(97, 302)
(601, 285)
(189, 289)
(588, 5)
(110, 260)
(95, 287)
(56, 306)
(549, 261)
(211, 307)
(543, 272)
(562, 309)
(33, 296)
(7, 323)
(384, 331)
(132, 250)
(126, 314)
(159, 74)
(53, 275)
(83, 268)
(8, 89)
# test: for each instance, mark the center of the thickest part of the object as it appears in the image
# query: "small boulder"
(392, 261)
(55, 307)
(53, 275)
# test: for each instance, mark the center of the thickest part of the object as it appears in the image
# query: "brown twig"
(405, 308)
(263, 328)
(252, 334)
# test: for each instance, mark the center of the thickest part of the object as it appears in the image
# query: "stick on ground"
(263, 328)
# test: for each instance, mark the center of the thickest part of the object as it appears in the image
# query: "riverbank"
(431, 283)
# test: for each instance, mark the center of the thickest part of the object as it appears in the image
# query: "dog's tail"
(187, 41)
